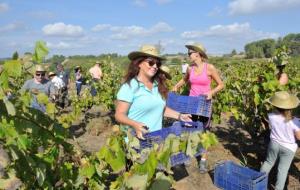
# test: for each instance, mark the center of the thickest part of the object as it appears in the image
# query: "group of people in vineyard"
(57, 84)
(141, 102)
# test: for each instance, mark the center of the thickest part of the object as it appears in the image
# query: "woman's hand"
(175, 88)
(185, 117)
(209, 95)
(140, 129)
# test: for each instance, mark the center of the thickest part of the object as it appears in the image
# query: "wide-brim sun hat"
(51, 74)
(197, 47)
(39, 68)
(284, 100)
(166, 71)
(146, 51)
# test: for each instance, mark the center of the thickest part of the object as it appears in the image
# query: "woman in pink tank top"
(200, 74)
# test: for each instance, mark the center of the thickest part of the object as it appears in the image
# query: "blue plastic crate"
(179, 158)
(230, 176)
(197, 105)
(177, 129)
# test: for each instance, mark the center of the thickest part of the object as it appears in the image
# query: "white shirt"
(184, 68)
(58, 82)
(284, 132)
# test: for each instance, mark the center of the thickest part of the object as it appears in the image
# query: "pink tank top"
(200, 84)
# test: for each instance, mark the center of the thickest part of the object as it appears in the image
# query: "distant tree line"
(266, 48)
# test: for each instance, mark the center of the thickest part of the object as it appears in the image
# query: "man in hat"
(64, 75)
(39, 84)
(57, 82)
(96, 74)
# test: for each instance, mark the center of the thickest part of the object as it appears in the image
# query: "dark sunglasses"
(40, 74)
(152, 62)
(190, 52)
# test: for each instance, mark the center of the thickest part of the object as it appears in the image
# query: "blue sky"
(94, 27)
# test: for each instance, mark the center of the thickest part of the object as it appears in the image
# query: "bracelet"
(179, 115)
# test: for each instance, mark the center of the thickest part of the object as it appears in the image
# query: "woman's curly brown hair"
(133, 71)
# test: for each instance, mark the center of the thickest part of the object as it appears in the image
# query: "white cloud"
(238, 7)
(62, 30)
(126, 32)
(100, 27)
(12, 27)
(3, 7)
(230, 32)
(219, 39)
(59, 45)
(161, 27)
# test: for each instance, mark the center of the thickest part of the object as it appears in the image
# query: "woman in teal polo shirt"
(141, 100)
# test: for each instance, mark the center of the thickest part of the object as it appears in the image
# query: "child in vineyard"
(199, 75)
(141, 100)
(285, 130)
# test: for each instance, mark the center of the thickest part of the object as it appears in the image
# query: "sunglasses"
(40, 74)
(190, 52)
(152, 62)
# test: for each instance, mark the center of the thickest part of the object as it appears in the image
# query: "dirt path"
(235, 144)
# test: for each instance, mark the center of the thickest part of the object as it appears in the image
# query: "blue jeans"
(93, 89)
(285, 159)
(78, 88)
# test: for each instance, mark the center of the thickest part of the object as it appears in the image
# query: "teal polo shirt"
(146, 106)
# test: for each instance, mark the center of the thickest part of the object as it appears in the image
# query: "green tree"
(260, 49)
(233, 52)
(15, 56)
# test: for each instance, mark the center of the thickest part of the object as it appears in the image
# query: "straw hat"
(145, 51)
(51, 74)
(39, 68)
(197, 47)
(284, 100)
(166, 71)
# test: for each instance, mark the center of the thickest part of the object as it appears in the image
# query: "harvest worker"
(281, 75)
(141, 100)
(200, 75)
(165, 71)
(78, 79)
(58, 84)
(285, 130)
(39, 84)
(96, 74)
(65, 76)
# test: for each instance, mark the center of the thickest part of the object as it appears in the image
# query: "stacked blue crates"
(196, 105)
(184, 104)
(230, 176)
(157, 137)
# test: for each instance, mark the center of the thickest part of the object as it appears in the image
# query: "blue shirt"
(147, 106)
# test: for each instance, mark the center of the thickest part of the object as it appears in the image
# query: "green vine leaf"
(40, 51)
